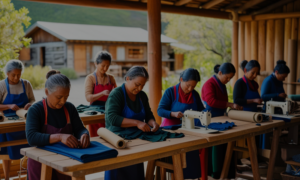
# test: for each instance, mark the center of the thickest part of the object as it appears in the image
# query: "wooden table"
(92, 119)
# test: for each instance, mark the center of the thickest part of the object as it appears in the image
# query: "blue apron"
(20, 100)
(133, 172)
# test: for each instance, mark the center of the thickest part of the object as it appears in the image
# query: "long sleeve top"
(240, 90)
(271, 88)
(165, 104)
(56, 117)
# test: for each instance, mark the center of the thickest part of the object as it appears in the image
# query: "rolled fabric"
(1, 117)
(295, 97)
(245, 116)
(22, 113)
(112, 138)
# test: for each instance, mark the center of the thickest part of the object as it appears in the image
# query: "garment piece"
(240, 90)
(34, 167)
(17, 89)
(295, 170)
(116, 102)
(169, 97)
(91, 113)
(20, 100)
(56, 118)
(294, 97)
(85, 108)
(220, 126)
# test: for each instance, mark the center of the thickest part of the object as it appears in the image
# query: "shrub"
(70, 73)
(36, 75)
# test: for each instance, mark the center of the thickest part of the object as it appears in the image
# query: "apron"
(34, 167)
(93, 128)
(136, 171)
(192, 158)
(20, 100)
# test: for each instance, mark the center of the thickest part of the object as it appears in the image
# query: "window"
(121, 53)
(95, 51)
(135, 53)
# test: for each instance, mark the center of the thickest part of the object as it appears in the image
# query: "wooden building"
(75, 46)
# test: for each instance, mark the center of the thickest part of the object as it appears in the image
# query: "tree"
(12, 31)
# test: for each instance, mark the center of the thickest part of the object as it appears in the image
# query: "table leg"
(150, 170)
(274, 148)
(227, 159)
(78, 178)
(46, 172)
(178, 172)
(163, 174)
(253, 157)
(6, 168)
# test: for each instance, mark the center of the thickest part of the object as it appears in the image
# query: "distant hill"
(83, 15)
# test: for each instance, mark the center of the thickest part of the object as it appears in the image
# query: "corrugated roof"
(65, 31)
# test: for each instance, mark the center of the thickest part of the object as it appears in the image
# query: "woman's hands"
(13, 107)
(27, 106)
(282, 95)
(105, 93)
(234, 106)
(257, 101)
(143, 126)
(84, 141)
(154, 125)
(69, 140)
(177, 114)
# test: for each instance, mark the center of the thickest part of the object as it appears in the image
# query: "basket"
(289, 177)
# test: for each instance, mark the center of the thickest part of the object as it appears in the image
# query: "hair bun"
(216, 68)
(243, 64)
(281, 62)
(52, 72)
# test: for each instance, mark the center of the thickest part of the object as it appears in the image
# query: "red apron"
(93, 128)
(34, 167)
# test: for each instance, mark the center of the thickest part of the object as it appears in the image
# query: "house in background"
(62, 45)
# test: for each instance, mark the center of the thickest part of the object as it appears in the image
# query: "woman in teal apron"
(127, 107)
(215, 98)
(14, 95)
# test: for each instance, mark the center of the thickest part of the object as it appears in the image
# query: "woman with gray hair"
(15, 93)
(54, 120)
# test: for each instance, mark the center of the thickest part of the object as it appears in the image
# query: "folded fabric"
(84, 108)
(172, 127)
(295, 97)
(96, 151)
(295, 170)
(159, 135)
(216, 126)
(91, 112)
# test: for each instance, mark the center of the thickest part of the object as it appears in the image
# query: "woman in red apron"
(54, 120)
(98, 85)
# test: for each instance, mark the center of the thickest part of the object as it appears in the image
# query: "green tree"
(12, 31)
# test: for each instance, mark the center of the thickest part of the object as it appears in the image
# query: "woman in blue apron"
(15, 93)
(215, 98)
(127, 108)
(54, 120)
(174, 102)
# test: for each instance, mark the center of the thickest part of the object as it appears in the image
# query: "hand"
(237, 107)
(69, 140)
(105, 92)
(27, 106)
(177, 114)
(143, 126)
(282, 95)
(257, 101)
(14, 107)
(84, 141)
(154, 125)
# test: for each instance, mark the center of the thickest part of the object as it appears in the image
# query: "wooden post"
(234, 51)
(227, 160)
(270, 46)
(294, 36)
(253, 157)
(274, 148)
(154, 55)
(150, 170)
(254, 40)
(241, 47)
(248, 41)
(178, 172)
(46, 172)
(291, 62)
(279, 40)
(298, 60)
(262, 45)
(287, 36)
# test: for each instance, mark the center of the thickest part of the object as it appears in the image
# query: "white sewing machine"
(285, 106)
(189, 124)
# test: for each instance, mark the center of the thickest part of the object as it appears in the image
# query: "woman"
(54, 120)
(174, 102)
(15, 93)
(128, 108)
(272, 86)
(98, 85)
(214, 95)
(245, 92)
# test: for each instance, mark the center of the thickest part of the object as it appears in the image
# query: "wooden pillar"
(291, 62)
(241, 46)
(234, 51)
(298, 60)
(287, 36)
(154, 55)
(262, 45)
(270, 46)
(248, 41)
(279, 40)
(254, 40)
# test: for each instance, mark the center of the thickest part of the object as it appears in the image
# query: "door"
(80, 59)
(42, 56)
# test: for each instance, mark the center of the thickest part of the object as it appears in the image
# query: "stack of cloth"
(215, 125)
(90, 108)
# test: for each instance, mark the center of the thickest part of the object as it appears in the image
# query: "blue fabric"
(167, 100)
(95, 152)
(251, 95)
(216, 126)
(290, 170)
(20, 100)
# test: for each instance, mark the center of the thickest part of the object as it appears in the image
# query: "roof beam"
(182, 2)
(139, 6)
(231, 5)
(212, 3)
(272, 7)
(269, 16)
(249, 4)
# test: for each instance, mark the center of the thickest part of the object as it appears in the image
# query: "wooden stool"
(6, 161)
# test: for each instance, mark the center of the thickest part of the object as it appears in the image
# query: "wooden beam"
(139, 6)
(262, 45)
(270, 46)
(212, 3)
(231, 5)
(249, 4)
(254, 40)
(291, 62)
(182, 2)
(271, 7)
(241, 46)
(235, 49)
(270, 16)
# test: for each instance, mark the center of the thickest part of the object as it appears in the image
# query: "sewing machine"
(285, 106)
(189, 124)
